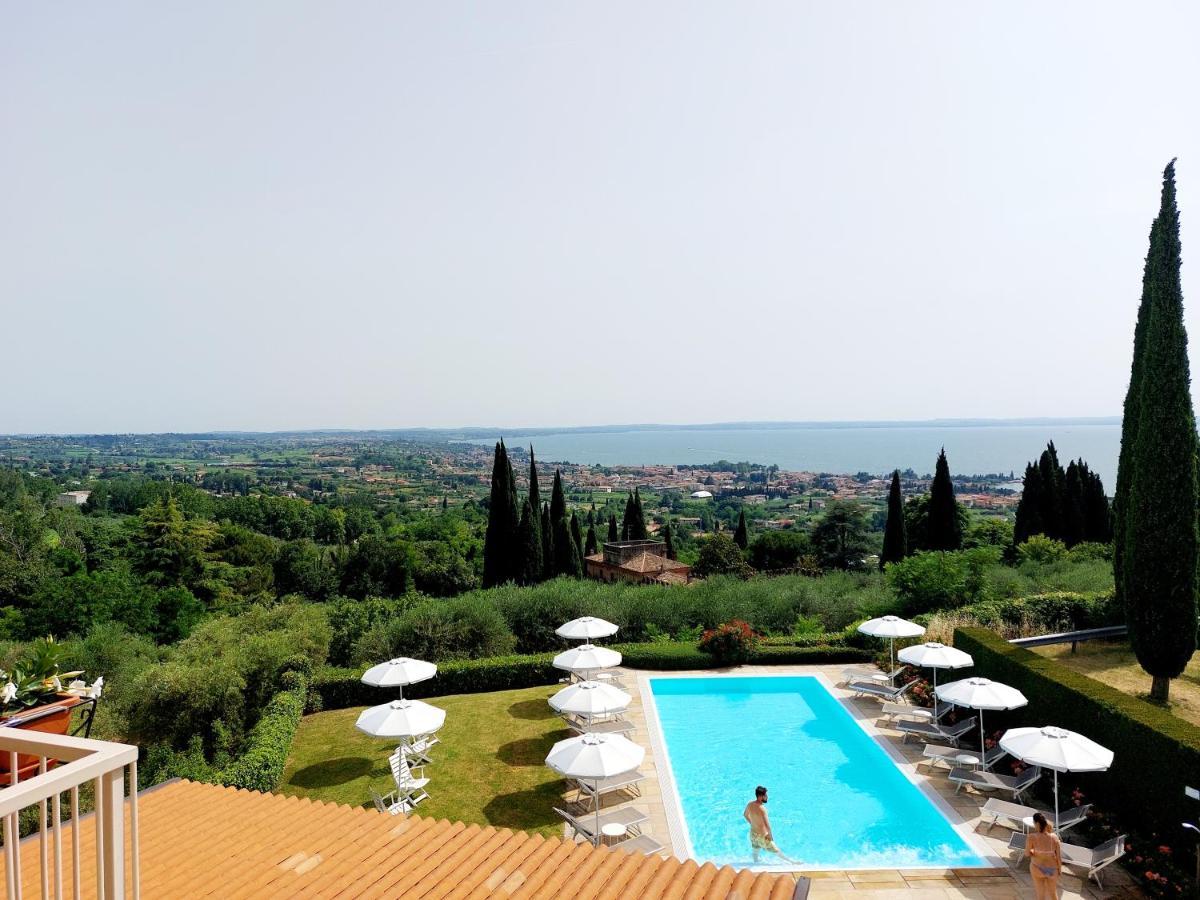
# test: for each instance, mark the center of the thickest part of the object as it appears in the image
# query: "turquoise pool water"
(836, 800)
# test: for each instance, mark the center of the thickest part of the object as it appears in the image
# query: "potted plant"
(33, 698)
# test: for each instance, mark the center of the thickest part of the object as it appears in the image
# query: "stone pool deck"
(1009, 879)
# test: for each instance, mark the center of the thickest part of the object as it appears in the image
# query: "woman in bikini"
(1045, 858)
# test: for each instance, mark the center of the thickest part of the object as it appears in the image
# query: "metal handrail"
(1074, 638)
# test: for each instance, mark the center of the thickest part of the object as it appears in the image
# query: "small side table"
(967, 759)
(612, 832)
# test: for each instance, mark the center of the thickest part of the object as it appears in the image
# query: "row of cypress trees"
(1068, 505)
(942, 525)
(539, 541)
(1156, 545)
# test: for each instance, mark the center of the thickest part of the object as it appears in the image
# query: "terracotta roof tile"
(200, 840)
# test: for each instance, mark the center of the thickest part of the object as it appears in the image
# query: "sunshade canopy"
(400, 719)
(590, 698)
(399, 672)
(1056, 748)
(891, 627)
(932, 655)
(981, 693)
(595, 756)
(587, 658)
(585, 628)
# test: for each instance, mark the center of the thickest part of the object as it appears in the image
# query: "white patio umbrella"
(398, 672)
(590, 698)
(932, 655)
(593, 756)
(980, 694)
(585, 628)
(401, 719)
(1057, 749)
(587, 658)
(891, 627)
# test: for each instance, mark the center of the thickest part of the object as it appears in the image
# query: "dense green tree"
(613, 536)
(1053, 496)
(841, 536)
(566, 556)
(500, 538)
(577, 540)
(530, 542)
(304, 568)
(719, 555)
(668, 541)
(590, 547)
(741, 536)
(1161, 543)
(546, 528)
(1074, 524)
(637, 525)
(1097, 515)
(374, 567)
(170, 549)
(627, 518)
(777, 550)
(1029, 507)
(944, 529)
(535, 498)
(895, 534)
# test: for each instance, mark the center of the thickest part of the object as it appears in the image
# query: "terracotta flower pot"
(53, 717)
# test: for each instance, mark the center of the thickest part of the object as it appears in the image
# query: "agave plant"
(36, 679)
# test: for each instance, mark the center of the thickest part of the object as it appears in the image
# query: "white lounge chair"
(880, 689)
(1088, 861)
(410, 780)
(596, 788)
(1016, 785)
(895, 711)
(949, 755)
(390, 804)
(607, 726)
(588, 828)
(1020, 818)
(935, 731)
(862, 673)
(418, 748)
(643, 843)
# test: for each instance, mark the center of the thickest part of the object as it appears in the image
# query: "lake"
(970, 448)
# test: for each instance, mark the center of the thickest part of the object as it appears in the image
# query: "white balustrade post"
(111, 806)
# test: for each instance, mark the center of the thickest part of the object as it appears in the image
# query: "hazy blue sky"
(280, 215)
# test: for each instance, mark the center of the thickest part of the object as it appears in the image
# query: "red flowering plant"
(730, 643)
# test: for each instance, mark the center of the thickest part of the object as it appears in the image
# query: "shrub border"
(260, 767)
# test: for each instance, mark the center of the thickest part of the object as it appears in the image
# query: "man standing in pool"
(760, 826)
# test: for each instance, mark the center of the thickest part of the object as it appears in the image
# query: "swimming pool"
(836, 801)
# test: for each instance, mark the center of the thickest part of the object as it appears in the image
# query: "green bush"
(442, 630)
(1024, 616)
(1041, 549)
(730, 643)
(261, 763)
(1156, 754)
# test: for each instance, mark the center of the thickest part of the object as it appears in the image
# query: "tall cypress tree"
(1161, 542)
(1029, 507)
(535, 497)
(1053, 493)
(637, 520)
(1131, 420)
(577, 540)
(589, 545)
(944, 530)
(1074, 525)
(499, 539)
(613, 535)
(669, 540)
(566, 557)
(895, 532)
(1097, 511)
(530, 547)
(627, 518)
(547, 530)
(515, 563)
(741, 536)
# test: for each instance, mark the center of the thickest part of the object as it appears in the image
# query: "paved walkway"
(1010, 879)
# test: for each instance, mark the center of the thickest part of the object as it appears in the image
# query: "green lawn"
(489, 768)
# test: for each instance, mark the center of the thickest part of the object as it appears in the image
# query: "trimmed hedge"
(1041, 613)
(338, 688)
(1156, 754)
(260, 766)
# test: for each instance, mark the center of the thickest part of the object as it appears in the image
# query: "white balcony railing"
(63, 765)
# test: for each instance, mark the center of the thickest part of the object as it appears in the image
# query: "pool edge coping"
(673, 807)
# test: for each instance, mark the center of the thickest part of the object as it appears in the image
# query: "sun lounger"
(612, 726)
(587, 827)
(880, 689)
(896, 711)
(935, 731)
(864, 674)
(1020, 818)
(1016, 785)
(1089, 861)
(594, 789)
(643, 843)
(949, 755)
(410, 780)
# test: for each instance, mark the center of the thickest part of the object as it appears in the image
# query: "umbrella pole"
(1056, 799)
(891, 678)
(982, 746)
